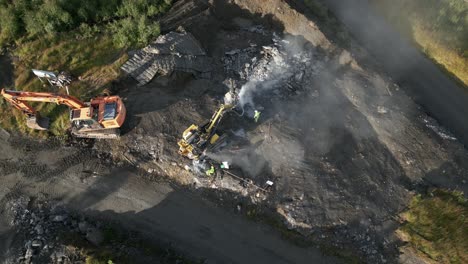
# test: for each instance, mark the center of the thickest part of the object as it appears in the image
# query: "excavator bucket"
(37, 122)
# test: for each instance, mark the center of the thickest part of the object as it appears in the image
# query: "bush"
(133, 32)
(439, 27)
(86, 31)
(49, 18)
(10, 25)
(138, 8)
(447, 20)
(32, 18)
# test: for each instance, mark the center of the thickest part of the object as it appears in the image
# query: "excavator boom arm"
(217, 117)
(22, 106)
(18, 99)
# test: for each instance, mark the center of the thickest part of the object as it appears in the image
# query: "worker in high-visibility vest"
(256, 115)
(210, 171)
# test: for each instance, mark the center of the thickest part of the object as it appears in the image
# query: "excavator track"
(97, 134)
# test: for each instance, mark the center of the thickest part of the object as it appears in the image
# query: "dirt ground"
(345, 146)
(163, 213)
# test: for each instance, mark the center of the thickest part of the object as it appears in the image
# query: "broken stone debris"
(175, 51)
(41, 226)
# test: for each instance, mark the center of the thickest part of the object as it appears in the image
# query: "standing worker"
(256, 115)
(210, 171)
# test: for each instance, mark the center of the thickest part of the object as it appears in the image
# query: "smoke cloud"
(279, 63)
(316, 104)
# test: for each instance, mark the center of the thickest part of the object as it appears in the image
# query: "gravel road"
(192, 224)
(159, 211)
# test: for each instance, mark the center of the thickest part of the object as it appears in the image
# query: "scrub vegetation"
(439, 27)
(87, 38)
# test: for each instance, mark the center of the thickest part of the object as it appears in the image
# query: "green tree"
(10, 24)
(50, 18)
(131, 32)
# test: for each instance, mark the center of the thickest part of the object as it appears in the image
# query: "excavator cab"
(85, 117)
(102, 118)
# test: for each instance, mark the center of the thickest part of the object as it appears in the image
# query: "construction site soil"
(343, 145)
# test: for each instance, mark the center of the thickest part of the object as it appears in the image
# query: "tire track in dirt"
(30, 169)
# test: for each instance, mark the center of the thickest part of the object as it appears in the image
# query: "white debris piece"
(225, 165)
(230, 98)
(381, 110)
(441, 131)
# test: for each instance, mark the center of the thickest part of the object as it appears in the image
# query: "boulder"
(94, 236)
(83, 227)
(59, 218)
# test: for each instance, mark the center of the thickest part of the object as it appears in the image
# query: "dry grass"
(452, 61)
(420, 21)
(437, 226)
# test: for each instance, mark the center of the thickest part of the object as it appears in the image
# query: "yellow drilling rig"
(197, 139)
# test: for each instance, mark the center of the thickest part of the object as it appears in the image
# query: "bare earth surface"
(345, 146)
(156, 209)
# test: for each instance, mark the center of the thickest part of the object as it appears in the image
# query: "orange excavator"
(100, 118)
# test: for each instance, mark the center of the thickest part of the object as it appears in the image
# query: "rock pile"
(280, 69)
(41, 226)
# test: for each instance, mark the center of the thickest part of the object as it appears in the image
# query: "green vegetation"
(439, 27)
(87, 38)
(95, 60)
(22, 20)
(437, 226)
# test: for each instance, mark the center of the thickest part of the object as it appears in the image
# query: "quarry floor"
(346, 151)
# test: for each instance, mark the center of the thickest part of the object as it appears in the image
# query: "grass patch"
(87, 38)
(439, 28)
(437, 226)
(95, 61)
(450, 60)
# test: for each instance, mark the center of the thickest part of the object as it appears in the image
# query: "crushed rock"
(38, 225)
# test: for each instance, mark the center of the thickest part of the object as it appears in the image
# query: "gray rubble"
(175, 51)
(40, 226)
